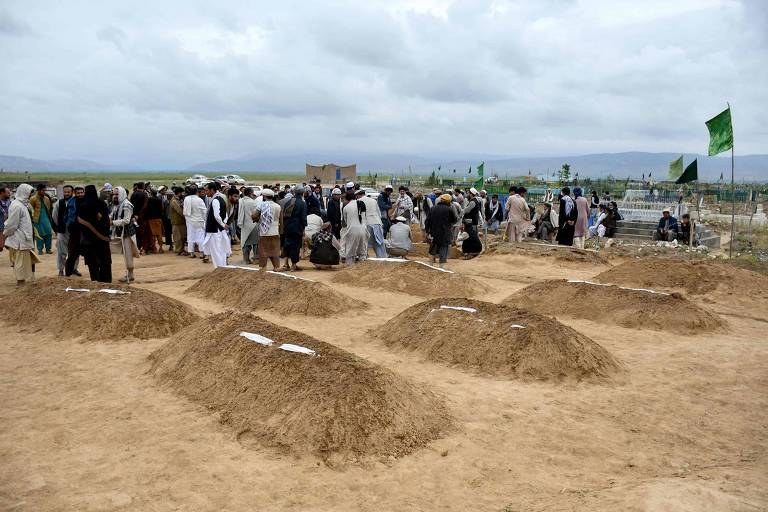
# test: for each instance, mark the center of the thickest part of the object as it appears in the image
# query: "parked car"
(370, 192)
(198, 179)
(234, 179)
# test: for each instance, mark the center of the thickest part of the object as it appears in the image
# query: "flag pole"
(733, 191)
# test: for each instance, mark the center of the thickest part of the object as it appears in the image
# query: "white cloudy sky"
(174, 82)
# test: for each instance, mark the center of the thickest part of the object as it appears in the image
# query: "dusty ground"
(84, 427)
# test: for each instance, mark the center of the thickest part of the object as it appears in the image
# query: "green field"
(127, 179)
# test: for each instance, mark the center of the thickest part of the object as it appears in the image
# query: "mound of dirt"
(285, 293)
(407, 276)
(93, 314)
(422, 251)
(545, 250)
(333, 405)
(498, 340)
(616, 305)
(693, 277)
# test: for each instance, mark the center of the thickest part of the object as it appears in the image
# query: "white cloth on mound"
(297, 348)
(460, 308)
(258, 338)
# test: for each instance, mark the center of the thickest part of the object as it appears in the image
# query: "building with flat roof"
(331, 173)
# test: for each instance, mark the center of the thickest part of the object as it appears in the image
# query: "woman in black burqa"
(93, 217)
(566, 218)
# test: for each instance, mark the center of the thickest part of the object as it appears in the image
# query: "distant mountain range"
(620, 165)
(20, 163)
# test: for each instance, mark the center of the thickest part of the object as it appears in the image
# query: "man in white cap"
(355, 234)
(249, 230)
(400, 240)
(194, 211)
(334, 212)
(667, 229)
(268, 219)
(106, 193)
(373, 223)
(216, 243)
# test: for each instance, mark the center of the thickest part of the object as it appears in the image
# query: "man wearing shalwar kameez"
(355, 232)
(19, 236)
(374, 224)
(216, 243)
(249, 230)
(194, 211)
(41, 216)
(518, 216)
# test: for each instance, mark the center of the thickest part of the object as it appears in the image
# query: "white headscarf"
(122, 202)
(23, 193)
(568, 204)
(122, 194)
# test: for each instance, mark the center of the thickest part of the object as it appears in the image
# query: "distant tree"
(564, 176)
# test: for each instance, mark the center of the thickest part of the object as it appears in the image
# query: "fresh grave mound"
(498, 340)
(407, 276)
(124, 313)
(421, 250)
(610, 304)
(332, 404)
(694, 277)
(250, 289)
(546, 250)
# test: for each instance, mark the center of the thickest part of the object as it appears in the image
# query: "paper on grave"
(258, 338)
(460, 308)
(297, 348)
(620, 287)
(433, 267)
(112, 291)
(242, 268)
(643, 290)
(289, 276)
(68, 289)
(587, 282)
(517, 326)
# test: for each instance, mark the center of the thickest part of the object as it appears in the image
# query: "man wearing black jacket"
(139, 201)
(494, 213)
(73, 228)
(334, 212)
(63, 209)
(439, 226)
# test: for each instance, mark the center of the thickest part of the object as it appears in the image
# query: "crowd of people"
(284, 224)
(575, 220)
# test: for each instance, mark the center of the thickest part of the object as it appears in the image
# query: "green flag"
(480, 170)
(675, 168)
(691, 173)
(720, 132)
